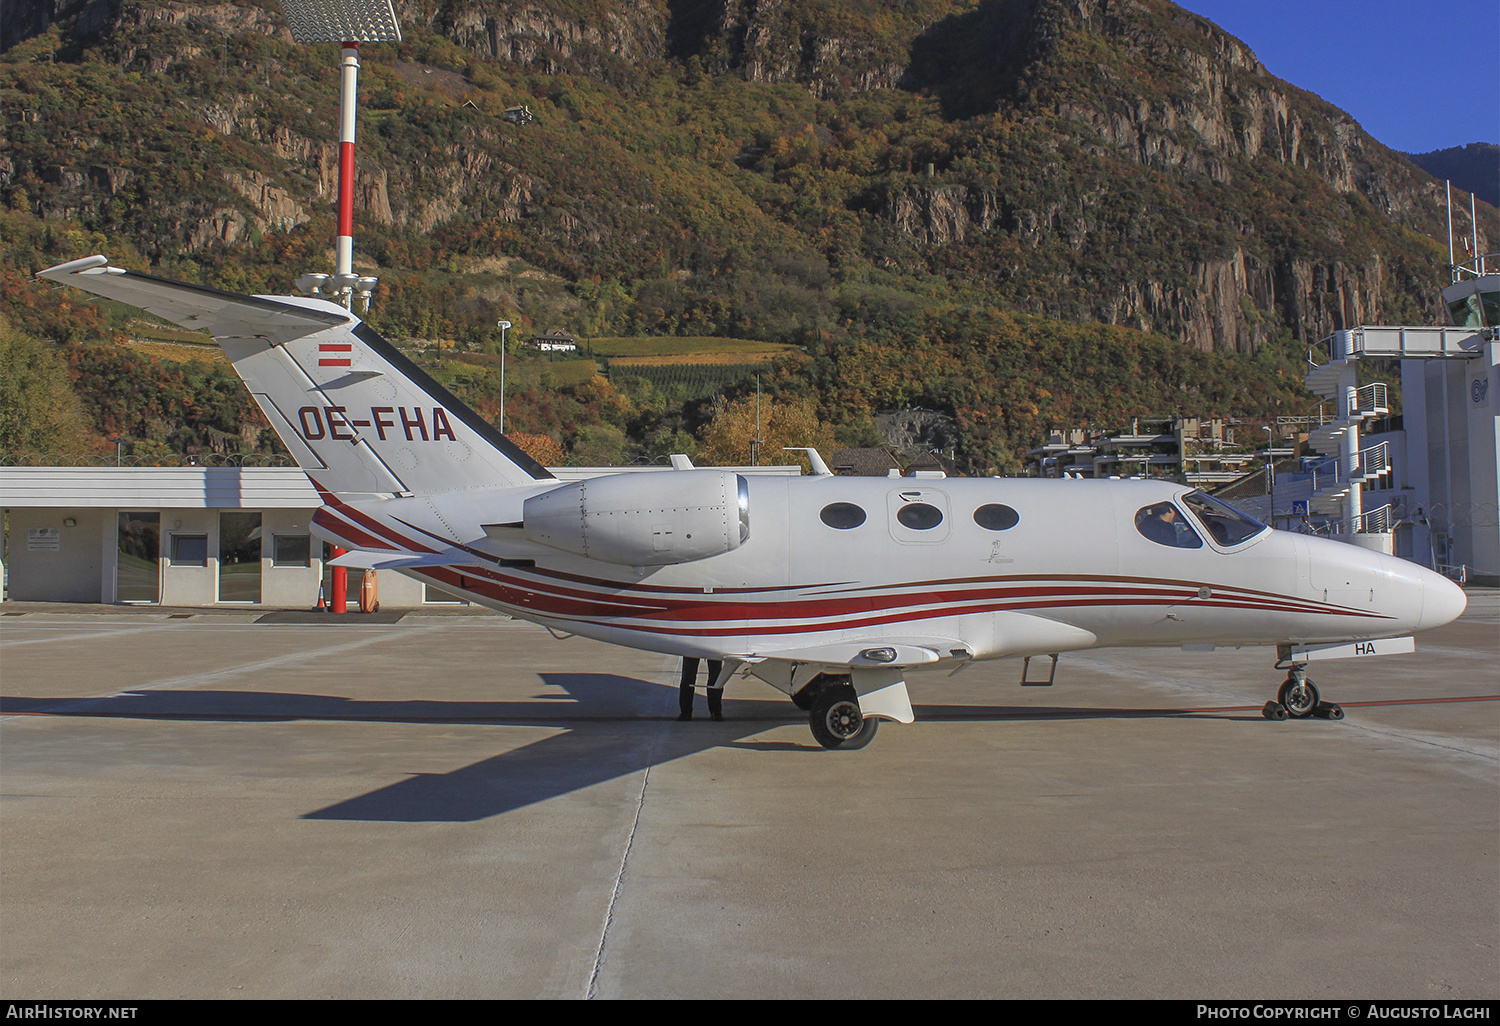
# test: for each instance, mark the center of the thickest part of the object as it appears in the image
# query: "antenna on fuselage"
(349, 22)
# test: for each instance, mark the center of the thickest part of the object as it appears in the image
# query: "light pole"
(1271, 471)
(504, 326)
(349, 22)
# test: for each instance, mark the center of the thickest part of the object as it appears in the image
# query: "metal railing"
(1339, 346)
(1326, 473)
(1372, 462)
(1371, 400)
(89, 459)
(1476, 267)
(1444, 515)
(1376, 521)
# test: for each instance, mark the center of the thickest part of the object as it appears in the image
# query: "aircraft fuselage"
(1072, 571)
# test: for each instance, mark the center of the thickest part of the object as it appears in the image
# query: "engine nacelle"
(648, 519)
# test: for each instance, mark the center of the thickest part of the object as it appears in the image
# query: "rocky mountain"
(827, 172)
(1474, 168)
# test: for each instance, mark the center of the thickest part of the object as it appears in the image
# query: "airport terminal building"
(178, 536)
(188, 536)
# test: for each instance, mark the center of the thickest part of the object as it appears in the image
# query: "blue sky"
(1417, 76)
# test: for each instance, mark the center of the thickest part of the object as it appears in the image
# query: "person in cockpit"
(1159, 523)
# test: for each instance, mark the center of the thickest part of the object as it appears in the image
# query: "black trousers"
(690, 677)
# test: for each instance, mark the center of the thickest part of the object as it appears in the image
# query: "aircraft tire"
(1299, 703)
(836, 721)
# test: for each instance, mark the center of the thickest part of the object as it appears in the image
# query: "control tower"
(1450, 386)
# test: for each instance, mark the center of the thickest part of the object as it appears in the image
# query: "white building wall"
(1483, 406)
(72, 573)
(189, 585)
(288, 586)
(1452, 419)
(189, 501)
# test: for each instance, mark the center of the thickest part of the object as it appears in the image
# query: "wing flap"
(894, 653)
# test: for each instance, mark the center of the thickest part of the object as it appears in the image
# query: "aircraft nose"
(1442, 601)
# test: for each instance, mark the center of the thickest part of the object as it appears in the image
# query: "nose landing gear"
(1298, 698)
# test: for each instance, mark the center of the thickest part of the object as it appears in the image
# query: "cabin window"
(1163, 524)
(919, 516)
(995, 517)
(842, 515)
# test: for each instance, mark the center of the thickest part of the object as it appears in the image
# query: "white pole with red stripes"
(348, 105)
(349, 23)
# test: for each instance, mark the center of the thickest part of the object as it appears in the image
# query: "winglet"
(74, 267)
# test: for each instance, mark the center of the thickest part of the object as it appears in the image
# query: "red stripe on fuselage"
(372, 524)
(358, 539)
(740, 618)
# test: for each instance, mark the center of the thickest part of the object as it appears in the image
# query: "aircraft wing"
(901, 652)
(198, 307)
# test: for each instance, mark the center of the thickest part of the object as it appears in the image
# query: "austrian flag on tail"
(334, 354)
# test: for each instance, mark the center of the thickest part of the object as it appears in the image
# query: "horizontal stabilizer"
(351, 408)
(361, 559)
(200, 308)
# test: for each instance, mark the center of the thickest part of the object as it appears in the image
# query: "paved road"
(461, 806)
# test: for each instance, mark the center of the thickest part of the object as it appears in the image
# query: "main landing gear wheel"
(836, 720)
(1299, 699)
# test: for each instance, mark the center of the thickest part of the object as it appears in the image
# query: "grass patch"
(679, 381)
(693, 359)
(673, 345)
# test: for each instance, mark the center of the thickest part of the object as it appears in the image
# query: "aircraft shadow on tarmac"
(601, 717)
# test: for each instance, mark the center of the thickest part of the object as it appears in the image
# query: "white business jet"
(828, 588)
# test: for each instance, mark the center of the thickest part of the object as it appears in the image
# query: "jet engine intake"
(650, 519)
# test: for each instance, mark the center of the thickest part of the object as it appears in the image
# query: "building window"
(239, 557)
(293, 550)
(190, 550)
(137, 575)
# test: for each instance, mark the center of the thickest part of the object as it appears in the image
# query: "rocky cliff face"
(1222, 304)
(1138, 84)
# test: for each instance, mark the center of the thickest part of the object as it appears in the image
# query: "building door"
(138, 562)
(239, 557)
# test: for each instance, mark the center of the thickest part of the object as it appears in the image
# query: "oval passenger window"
(919, 516)
(995, 517)
(842, 515)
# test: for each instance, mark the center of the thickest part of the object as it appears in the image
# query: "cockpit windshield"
(1226, 525)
